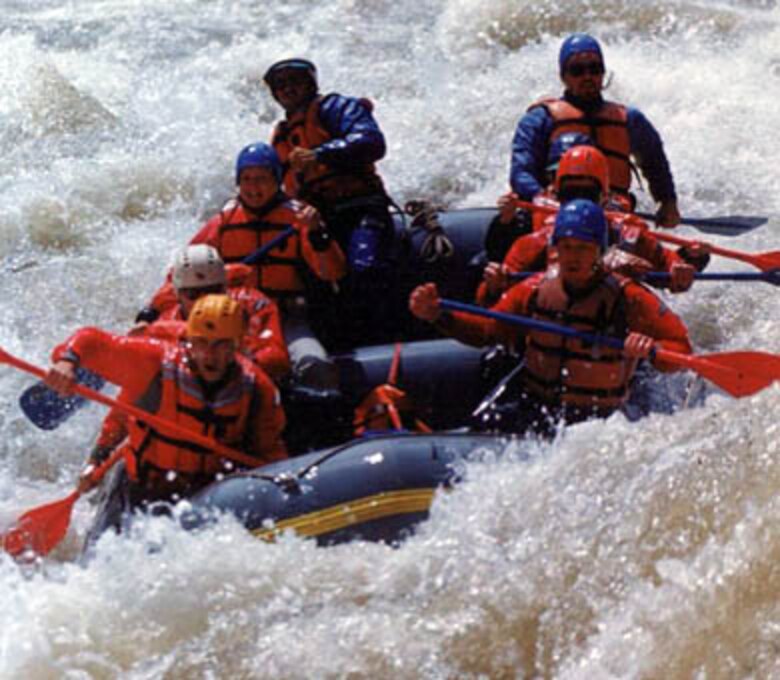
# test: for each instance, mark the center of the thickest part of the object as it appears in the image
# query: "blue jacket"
(357, 139)
(530, 146)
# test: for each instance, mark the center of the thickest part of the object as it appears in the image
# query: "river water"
(620, 550)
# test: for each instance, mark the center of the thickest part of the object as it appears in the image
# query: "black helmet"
(298, 64)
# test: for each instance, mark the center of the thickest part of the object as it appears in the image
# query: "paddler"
(261, 212)
(204, 385)
(583, 172)
(329, 145)
(511, 222)
(198, 270)
(621, 132)
(564, 378)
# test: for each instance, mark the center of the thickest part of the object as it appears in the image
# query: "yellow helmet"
(216, 317)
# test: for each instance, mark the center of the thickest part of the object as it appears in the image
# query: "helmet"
(577, 43)
(216, 317)
(298, 64)
(198, 266)
(583, 220)
(584, 161)
(259, 155)
(561, 144)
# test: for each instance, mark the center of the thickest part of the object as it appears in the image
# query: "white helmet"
(198, 266)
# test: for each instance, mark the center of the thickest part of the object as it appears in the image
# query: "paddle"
(149, 418)
(772, 276)
(739, 373)
(732, 225)
(763, 261)
(42, 528)
(47, 410)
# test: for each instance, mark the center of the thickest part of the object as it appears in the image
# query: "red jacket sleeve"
(647, 314)
(264, 341)
(267, 421)
(131, 363)
(480, 331)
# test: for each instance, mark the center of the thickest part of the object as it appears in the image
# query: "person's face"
(580, 187)
(292, 88)
(257, 186)
(212, 358)
(189, 296)
(577, 261)
(583, 75)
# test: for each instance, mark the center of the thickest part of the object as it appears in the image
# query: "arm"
(128, 362)
(648, 315)
(357, 139)
(264, 341)
(319, 250)
(468, 328)
(266, 422)
(648, 150)
(529, 153)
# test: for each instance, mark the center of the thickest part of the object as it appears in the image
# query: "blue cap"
(581, 219)
(259, 155)
(577, 43)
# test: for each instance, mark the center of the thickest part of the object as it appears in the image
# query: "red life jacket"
(166, 464)
(320, 184)
(278, 275)
(566, 371)
(606, 127)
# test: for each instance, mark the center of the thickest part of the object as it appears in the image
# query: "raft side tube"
(375, 489)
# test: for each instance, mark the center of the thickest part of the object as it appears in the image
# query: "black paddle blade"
(47, 410)
(727, 225)
(733, 225)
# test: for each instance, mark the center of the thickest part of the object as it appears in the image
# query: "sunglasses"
(286, 80)
(593, 68)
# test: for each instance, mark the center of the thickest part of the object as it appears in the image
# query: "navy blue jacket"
(357, 139)
(531, 145)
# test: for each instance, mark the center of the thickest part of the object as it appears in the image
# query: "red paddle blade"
(40, 529)
(767, 261)
(741, 374)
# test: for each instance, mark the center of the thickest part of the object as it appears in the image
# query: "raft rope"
(425, 217)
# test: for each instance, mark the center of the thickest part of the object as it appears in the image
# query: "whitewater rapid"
(621, 549)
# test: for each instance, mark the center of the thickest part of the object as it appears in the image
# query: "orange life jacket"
(278, 275)
(606, 127)
(319, 184)
(168, 464)
(567, 371)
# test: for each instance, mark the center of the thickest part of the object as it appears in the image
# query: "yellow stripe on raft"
(359, 511)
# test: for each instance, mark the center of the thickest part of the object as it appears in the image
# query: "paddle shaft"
(145, 416)
(740, 374)
(536, 324)
(733, 225)
(772, 276)
(763, 261)
(259, 254)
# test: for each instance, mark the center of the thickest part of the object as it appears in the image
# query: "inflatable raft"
(376, 488)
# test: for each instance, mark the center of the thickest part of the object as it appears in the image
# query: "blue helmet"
(259, 155)
(562, 144)
(297, 64)
(581, 219)
(577, 43)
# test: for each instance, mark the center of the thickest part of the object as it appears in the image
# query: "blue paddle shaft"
(262, 251)
(536, 324)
